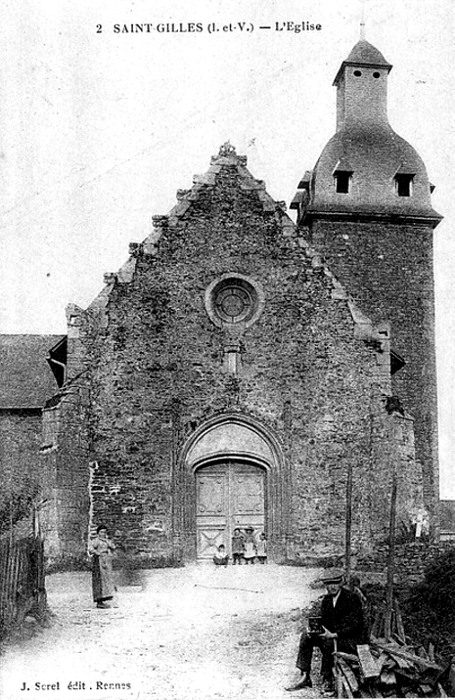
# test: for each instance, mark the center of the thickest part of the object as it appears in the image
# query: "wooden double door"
(228, 495)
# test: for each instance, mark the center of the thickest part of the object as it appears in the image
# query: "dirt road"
(198, 633)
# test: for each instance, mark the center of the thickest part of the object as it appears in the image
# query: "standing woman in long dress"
(102, 548)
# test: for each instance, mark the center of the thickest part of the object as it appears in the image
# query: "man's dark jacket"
(346, 618)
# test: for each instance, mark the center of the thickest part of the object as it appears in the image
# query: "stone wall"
(64, 464)
(411, 560)
(388, 270)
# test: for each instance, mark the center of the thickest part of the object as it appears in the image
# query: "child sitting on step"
(221, 558)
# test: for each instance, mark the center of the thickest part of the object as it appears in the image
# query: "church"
(241, 369)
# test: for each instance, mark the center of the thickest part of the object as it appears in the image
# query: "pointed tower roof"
(363, 54)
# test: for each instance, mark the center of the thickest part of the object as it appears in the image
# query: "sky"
(98, 130)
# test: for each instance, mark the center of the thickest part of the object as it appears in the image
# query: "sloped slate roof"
(26, 380)
(367, 54)
(376, 154)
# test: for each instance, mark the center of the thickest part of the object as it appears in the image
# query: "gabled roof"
(26, 380)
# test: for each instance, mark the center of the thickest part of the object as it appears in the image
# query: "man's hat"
(249, 528)
(332, 575)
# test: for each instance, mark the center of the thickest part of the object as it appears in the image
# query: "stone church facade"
(241, 369)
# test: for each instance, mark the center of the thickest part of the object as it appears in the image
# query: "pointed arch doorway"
(229, 494)
(231, 472)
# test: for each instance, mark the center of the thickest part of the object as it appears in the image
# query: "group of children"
(244, 547)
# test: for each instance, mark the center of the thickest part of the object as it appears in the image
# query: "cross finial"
(362, 22)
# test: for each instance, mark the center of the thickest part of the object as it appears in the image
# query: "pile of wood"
(387, 669)
(390, 667)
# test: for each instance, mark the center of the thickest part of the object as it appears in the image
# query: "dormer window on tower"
(342, 176)
(342, 181)
(403, 184)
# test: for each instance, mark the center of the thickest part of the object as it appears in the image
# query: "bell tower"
(366, 207)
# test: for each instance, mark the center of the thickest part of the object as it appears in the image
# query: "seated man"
(341, 619)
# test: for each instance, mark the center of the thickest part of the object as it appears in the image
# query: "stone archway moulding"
(232, 436)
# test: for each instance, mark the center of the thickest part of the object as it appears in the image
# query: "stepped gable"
(364, 328)
(227, 157)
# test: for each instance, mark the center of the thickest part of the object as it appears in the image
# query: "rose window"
(233, 304)
(234, 300)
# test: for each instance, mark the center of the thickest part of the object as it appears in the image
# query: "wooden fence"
(22, 580)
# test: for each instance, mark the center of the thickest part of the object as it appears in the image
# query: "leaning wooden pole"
(347, 557)
(336, 671)
(391, 558)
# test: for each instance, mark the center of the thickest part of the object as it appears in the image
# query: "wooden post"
(336, 671)
(391, 558)
(348, 524)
